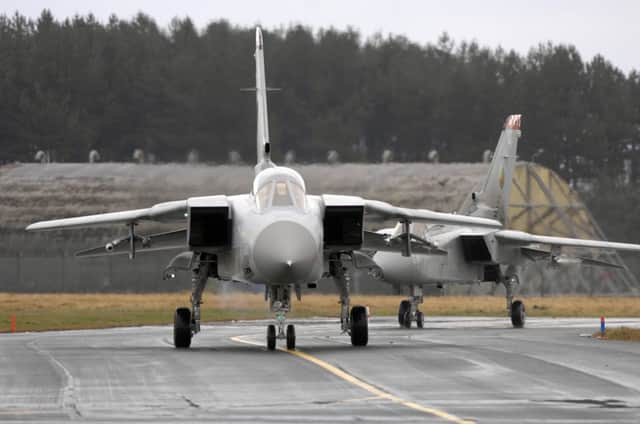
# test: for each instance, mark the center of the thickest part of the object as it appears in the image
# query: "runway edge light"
(13, 323)
(602, 327)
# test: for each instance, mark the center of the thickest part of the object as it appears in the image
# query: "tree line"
(74, 85)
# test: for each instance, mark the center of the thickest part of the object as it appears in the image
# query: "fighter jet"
(276, 235)
(461, 254)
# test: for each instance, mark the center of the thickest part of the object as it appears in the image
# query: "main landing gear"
(186, 322)
(280, 300)
(355, 320)
(515, 308)
(409, 309)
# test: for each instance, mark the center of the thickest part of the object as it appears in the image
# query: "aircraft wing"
(385, 211)
(520, 238)
(545, 255)
(162, 212)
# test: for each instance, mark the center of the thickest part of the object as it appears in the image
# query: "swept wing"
(162, 212)
(520, 238)
(383, 210)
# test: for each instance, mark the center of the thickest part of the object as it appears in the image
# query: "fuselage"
(277, 233)
(433, 269)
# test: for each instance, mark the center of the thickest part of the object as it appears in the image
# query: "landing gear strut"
(186, 322)
(280, 300)
(355, 320)
(409, 309)
(515, 308)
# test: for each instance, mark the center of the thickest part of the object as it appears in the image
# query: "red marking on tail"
(513, 122)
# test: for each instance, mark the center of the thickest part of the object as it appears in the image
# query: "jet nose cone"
(284, 252)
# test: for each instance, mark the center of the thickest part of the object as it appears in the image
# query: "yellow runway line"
(378, 393)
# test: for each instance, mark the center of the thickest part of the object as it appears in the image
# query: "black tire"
(518, 315)
(420, 319)
(271, 337)
(405, 306)
(182, 328)
(406, 320)
(359, 326)
(291, 337)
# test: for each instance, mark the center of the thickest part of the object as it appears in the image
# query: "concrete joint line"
(68, 399)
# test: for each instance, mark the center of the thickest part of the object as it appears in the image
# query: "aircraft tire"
(406, 320)
(420, 319)
(182, 328)
(271, 337)
(359, 326)
(405, 306)
(291, 337)
(518, 315)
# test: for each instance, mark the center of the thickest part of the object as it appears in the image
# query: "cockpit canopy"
(279, 187)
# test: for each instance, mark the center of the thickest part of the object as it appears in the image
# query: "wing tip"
(513, 122)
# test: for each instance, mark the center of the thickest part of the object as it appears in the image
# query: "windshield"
(280, 193)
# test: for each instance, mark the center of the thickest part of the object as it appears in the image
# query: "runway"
(454, 370)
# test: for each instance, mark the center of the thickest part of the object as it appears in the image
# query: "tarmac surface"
(454, 370)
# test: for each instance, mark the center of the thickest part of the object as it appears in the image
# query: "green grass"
(39, 312)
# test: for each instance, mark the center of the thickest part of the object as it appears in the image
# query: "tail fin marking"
(492, 200)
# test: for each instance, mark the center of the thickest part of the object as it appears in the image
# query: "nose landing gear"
(408, 310)
(291, 337)
(516, 308)
(280, 298)
(271, 337)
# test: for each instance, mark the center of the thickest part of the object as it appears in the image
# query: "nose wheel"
(515, 308)
(403, 310)
(280, 298)
(409, 311)
(420, 319)
(291, 337)
(271, 337)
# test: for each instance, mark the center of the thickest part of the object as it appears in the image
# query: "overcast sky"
(611, 28)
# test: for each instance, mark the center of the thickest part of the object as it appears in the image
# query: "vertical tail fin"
(492, 200)
(263, 144)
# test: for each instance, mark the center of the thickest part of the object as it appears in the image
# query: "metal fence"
(65, 273)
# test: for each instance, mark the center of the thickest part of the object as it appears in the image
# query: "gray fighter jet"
(277, 235)
(461, 254)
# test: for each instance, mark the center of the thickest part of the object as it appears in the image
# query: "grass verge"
(39, 312)
(621, 333)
